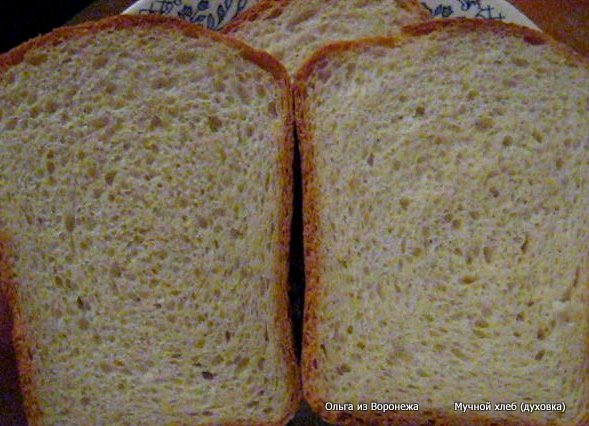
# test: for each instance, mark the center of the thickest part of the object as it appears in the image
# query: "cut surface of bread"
(145, 174)
(446, 221)
(292, 30)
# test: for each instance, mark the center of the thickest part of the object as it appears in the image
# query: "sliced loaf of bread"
(446, 221)
(145, 204)
(292, 30)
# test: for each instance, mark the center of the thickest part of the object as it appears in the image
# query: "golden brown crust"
(313, 387)
(529, 35)
(261, 58)
(264, 61)
(20, 340)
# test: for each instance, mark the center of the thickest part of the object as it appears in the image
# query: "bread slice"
(145, 203)
(446, 218)
(292, 30)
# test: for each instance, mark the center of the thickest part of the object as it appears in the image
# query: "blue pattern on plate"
(471, 8)
(210, 13)
(214, 14)
(241, 5)
(162, 7)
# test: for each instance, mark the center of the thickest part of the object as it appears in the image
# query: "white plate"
(214, 14)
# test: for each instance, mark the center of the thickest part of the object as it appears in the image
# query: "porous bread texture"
(446, 225)
(292, 30)
(144, 198)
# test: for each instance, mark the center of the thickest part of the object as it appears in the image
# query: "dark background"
(22, 20)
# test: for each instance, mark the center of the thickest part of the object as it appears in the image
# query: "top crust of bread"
(8, 281)
(267, 11)
(313, 387)
(277, 6)
(455, 25)
(59, 35)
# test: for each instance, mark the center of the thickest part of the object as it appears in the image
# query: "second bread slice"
(446, 226)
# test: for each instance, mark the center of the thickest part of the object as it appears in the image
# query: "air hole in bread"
(235, 234)
(50, 106)
(343, 369)
(457, 352)
(261, 91)
(380, 290)
(10, 124)
(509, 83)
(558, 163)
(185, 56)
(35, 58)
(537, 135)
(219, 86)
(272, 109)
(472, 95)
(50, 167)
(207, 375)
(162, 82)
(241, 364)
(35, 111)
(242, 93)
(214, 123)
(484, 123)
(422, 373)
(83, 324)
(99, 61)
(525, 243)
(488, 254)
(82, 304)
